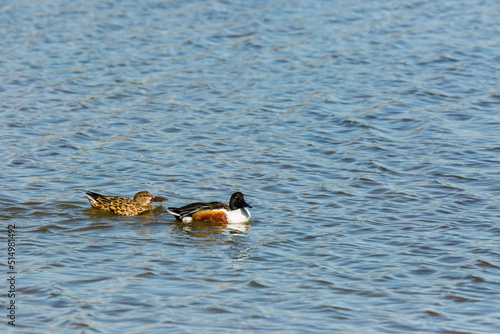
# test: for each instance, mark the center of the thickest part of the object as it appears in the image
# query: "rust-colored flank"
(210, 217)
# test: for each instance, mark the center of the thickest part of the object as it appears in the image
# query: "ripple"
(367, 145)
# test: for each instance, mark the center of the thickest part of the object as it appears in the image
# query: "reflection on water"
(365, 135)
(201, 230)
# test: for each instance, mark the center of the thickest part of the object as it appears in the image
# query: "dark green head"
(237, 201)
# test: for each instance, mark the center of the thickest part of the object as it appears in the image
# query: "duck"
(215, 212)
(124, 206)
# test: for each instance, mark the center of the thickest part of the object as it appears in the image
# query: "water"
(364, 135)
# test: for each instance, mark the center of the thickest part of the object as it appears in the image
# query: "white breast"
(238, 216)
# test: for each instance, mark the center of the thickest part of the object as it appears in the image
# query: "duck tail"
(174, 211)
(92, 194)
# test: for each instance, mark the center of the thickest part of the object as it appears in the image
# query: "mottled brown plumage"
(124, 206)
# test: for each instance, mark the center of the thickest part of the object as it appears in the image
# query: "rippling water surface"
(365, 134)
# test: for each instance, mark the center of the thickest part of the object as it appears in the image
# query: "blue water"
(363, 133)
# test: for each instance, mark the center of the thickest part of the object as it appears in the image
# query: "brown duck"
(124, 206)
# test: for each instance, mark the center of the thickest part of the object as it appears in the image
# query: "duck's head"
(144, 198)
(237, 201)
